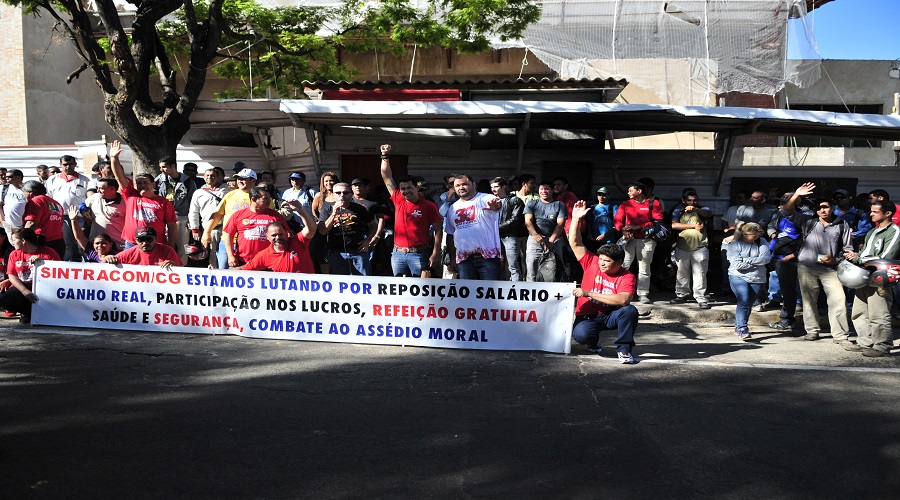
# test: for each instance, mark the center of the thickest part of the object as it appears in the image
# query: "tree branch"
(204, 47)
(190, 19)
(85, 46)
(226, 30)
(166, 73)
(118, 45)
(73, 75)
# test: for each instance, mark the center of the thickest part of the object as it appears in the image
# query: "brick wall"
(13, 117)
(744, 100)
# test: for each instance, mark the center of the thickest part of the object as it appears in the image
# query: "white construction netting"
(683, 51)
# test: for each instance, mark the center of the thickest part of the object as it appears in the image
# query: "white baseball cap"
(246, 174)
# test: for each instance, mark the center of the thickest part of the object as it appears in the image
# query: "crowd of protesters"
(776, 250)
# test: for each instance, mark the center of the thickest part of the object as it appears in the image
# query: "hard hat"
(884, 272)
(852, 276)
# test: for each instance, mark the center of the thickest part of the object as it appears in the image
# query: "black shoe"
(679, 300)
(705, 305)
(783, 325)
(24, 320)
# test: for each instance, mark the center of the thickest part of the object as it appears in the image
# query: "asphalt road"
(701, 415)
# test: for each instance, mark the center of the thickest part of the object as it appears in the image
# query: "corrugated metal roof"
(495, 84)
(595, 116)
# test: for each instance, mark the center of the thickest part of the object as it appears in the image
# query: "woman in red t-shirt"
(29, 250)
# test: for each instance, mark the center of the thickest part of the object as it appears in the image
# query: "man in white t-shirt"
(473, 232)
(12, 206)
(68, 188)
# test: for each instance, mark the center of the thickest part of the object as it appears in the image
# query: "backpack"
(659, 231)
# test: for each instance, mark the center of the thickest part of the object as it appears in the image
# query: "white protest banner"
(498, 315)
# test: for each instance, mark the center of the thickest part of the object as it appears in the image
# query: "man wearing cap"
(600, 221)
(147, 252)
(143, 207)
(604, 297)
(204, 203)
(68, 188)
(856, 218)
(248, 228)
(350, 230)
(233, 201)
(416, 247)
(299, 191)
(178, 188)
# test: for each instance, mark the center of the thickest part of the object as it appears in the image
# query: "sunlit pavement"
(701, 414)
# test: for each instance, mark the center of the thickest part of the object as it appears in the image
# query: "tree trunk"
(149, 143)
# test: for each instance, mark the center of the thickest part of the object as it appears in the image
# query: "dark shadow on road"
(131, 415)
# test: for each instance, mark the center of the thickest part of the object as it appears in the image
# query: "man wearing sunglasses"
(147, 251)
(825, 239)
(350, 230)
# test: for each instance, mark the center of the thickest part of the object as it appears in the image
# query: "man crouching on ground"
(604, 299)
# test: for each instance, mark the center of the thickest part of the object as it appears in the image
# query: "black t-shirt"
(349, 231)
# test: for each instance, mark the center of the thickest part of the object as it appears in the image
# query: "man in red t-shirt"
(286, 254)
(45, 215)
(634, 215)
(147, 252)
(249, 226)
(143, 207)
(416, 248)
(604, 298)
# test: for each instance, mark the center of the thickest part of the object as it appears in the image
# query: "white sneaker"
(626, 358)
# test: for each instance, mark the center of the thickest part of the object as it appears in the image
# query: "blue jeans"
(774, 294)
(477, 267)
(746, 294)
(511, 249)
(409, 264)
(222, 255)
(586, 329)
(347, 263)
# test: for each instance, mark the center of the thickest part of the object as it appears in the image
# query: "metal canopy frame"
(728, 123)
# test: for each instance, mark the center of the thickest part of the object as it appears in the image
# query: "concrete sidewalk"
(684, 333)
(669, 333)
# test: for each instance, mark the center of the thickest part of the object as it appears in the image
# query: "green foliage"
(284, 46)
